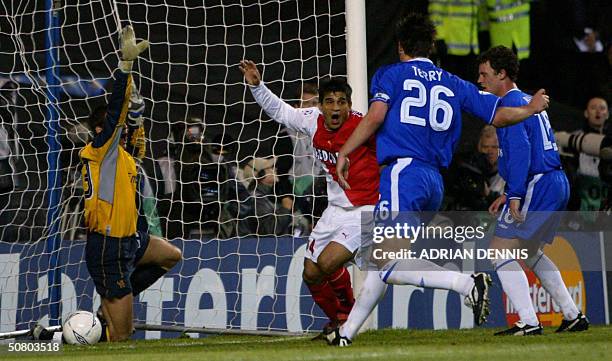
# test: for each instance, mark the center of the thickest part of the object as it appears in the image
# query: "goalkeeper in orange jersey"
(121, 258)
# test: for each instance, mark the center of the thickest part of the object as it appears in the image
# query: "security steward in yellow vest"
(456, 23)
(509, 25)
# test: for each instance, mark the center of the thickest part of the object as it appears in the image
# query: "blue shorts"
(143, 242)
(546, 199)
(409, 184)
(111, 261)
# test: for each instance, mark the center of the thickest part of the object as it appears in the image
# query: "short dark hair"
(501, 57)
(416, 34)
(333, 85)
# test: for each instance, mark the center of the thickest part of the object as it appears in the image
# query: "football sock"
(514, 282)
(324, 296)
(340, 282)
(424, 273)
(551, 279)
(372, 290)
(104, 336)
(144, 276)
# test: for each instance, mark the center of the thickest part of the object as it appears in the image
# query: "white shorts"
(339, 225)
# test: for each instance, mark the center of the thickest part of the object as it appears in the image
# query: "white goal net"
(242, 266)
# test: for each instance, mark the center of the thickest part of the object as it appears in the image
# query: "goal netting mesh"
(242, 242)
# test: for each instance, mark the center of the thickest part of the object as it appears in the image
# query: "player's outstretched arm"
(115, 115)
(506, 116)
(301, 120)
(366, 128)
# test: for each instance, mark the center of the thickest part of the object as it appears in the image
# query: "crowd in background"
(201, 188)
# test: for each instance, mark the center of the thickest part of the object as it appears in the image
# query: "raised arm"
(507, 116)
(301, 120)
(118, 105)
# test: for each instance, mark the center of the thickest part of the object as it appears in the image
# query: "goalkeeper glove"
(130, 49)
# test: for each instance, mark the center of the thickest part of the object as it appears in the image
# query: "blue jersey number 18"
(547, 138)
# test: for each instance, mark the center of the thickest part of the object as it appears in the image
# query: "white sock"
(424, 273)
(514, 282)
(372, 290)
(551, 279)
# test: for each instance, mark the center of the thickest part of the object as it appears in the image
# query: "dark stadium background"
(192, 70)
(185, 72)
(196, 74)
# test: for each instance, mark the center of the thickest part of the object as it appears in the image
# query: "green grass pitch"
(387, 345)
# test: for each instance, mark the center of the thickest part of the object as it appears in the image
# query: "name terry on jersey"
(432, 75)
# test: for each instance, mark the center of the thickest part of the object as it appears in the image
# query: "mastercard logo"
(563, 255)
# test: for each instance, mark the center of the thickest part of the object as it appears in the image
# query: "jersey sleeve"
(117, 108)
(478, 103)
(299, 119)
(382, 86)
(108, 140)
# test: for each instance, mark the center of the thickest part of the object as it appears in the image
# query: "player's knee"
(312, 275)
(173, 256)
(327, 267)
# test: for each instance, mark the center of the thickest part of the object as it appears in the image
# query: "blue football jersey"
(423, 118)
(525, 149)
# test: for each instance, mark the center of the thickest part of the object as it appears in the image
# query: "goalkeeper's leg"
(110, 262)
(154, 258)
(118, 317)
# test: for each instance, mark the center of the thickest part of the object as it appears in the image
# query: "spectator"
(588, 189)
(237, 202)
(588, 41)
(196, 202)
(272, 214)
(164, 184)
(473, 180)
(489, 146)
(309, 184)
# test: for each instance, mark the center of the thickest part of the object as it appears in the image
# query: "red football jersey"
(363, 167)
(363, 176)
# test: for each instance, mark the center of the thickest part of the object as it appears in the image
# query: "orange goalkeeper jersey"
(109, 172)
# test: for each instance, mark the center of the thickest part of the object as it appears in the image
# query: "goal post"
(60, 56)
(357, 73)
(54, 180)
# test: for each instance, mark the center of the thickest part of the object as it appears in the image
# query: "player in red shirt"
(336, 238)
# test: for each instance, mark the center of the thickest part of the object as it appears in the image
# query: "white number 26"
(435, 105)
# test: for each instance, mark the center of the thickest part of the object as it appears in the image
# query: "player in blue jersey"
(416, 109)
(536, 190)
